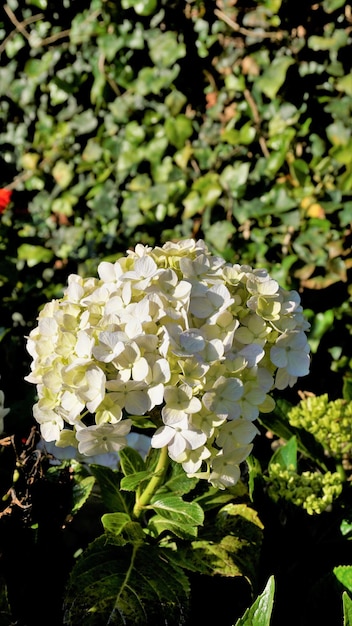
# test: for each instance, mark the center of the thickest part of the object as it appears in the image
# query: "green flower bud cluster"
(313, 491)
(329, 422)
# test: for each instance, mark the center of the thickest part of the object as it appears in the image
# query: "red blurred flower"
(5, 199)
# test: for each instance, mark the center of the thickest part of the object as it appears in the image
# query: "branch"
(278, 35)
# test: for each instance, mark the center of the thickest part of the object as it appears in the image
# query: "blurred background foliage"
(150, 120)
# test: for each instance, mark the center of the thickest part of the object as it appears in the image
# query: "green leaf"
(213, 498)
(109, 483)
(332, 5)
(175, 508)
(178, 129)
(347, 609)
(255, 474)
(277, 423)
(141, 7)
(343, 574)
(34, 254)
(286, 456)
(274, 76)
(125, 585)
(164, 49)
(219, 234)
(115, 522)
(158, 524)
(131, 461)
(177, 481)
(81, 492)
(321, 323)
(230, 547)
(234, 178)
(259, 614)
(132, 482)
(338, 39)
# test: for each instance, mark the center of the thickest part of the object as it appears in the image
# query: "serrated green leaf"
(259, 614)
(125, 586)
(109, 483)
(81, 492)
(230, 547)
(347, 609)
(213, 498)
(115, 522)
(230, 512)
(343, 574)
(158, 524)
(131, 461)
(132, 482)
(177, 481)
(175, 508)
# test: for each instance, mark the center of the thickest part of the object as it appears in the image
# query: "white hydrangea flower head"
(173, 334)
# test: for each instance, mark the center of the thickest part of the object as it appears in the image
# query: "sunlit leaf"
(260, 613)
(274, 76)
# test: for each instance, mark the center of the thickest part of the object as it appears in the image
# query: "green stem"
(154, 483)
(341, 471)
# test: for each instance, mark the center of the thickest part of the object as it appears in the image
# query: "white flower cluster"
(173, 333)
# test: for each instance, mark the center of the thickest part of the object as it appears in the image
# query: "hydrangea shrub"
(176, 334)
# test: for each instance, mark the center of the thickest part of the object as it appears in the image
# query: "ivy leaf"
(178, 129)
(259, 614)
(274, 76)
(125, 585)
(34, 254)
(141, 7)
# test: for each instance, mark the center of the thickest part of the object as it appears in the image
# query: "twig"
(19, 26)
(245, 31)
(250, 100)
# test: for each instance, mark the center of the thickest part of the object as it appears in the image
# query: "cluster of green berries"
(313, 491)
(330, 422)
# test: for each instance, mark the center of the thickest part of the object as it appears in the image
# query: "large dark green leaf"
(230, 547)
(125, 585)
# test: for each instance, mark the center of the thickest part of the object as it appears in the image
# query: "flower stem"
(341, 471)
(154, 483)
